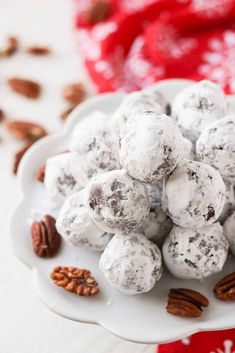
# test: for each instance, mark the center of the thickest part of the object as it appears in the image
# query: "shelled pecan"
(186, 302)
(74, 93)
(38, 50)
(46, 239)
(225, 289)
(76, 280)
(98, 11)
(25, 87)
(25, 130)
(11, 47)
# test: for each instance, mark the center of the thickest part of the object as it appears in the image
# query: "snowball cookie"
(157, 226)
(216, 146)
(136, 103)
(93, 146)
(131, 263)
(151, 148)
(229, 204)
(193, 195)
(195, 253)
(76, 226)
(229, 231)
(116, 202)
(59, 181)
(197, 106)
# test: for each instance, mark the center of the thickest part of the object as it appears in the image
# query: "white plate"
(140, 318)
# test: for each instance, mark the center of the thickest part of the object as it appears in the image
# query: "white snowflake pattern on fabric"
(219, 61)
(90, 41)
(169, 42)
(228, 347)
(186, 341)
(112, 67)
(138, 71)
(212, 8)
(135, 5)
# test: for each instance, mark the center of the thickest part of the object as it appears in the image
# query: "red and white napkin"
(205, 342)
(143, 41)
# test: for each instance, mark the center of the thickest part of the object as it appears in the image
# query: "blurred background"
(67, 50)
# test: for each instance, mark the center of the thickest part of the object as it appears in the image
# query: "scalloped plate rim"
(36, 273)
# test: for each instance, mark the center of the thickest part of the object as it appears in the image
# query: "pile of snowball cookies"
(152, 183)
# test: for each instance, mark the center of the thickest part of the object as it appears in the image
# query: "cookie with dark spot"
(116, 202)
(151, 149)
(197, 106)
(193, 195)
(76, 226)
(195, 253)
(131, 263)
(59, 181)
(216, 146)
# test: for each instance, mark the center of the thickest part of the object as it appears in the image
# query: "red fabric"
(205, 342)
(143, 41)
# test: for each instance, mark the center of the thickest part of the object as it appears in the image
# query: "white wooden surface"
(26, 325)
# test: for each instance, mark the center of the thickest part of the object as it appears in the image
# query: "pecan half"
(66, 113)
(26, 88)
(19, 155)
(38, 50)
(76, 280)
(11, 47)
(25, 130)
(98, 11)
(74, 93)
(2, 115)
(186, 302)
(225, 289)
(41, 173)
(46, 239)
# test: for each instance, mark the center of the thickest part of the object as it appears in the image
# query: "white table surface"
(26, 325)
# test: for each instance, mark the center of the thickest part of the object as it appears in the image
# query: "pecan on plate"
(19, 155)
(46, 239)
(26, 88)
(76, 280)
(98, 11)
(186, 302)
(38, 50)
(11, 47)
(74, 93)
(41, 173)
(225, 289)
(25, 130)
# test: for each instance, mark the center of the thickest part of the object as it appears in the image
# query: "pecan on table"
(38, 50)
(66, 113)
(98, 11)
(26, 88)
(74, 93)
(11, 47)
(76, 280)
(46, 239)
(225, 289)
(25, 130)
(186, 302)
